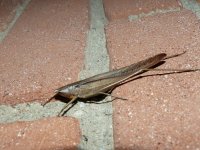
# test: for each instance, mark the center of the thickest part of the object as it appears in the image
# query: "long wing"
(109, 80)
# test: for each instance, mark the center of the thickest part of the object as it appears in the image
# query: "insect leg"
(71, 101)
(107, 94)
(48, 101)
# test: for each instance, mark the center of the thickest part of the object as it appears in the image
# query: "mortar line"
(153, 13)
(192, 5)
(19, 10)
(96, 120)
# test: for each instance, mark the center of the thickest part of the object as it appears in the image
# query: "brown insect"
(104, 83)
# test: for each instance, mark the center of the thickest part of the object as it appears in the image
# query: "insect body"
(105, 82)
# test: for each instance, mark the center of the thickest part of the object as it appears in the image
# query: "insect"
(104, 83)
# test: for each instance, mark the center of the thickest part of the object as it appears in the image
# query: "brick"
(121, 9)
(161, 111)
(43, 51)
(50, 133)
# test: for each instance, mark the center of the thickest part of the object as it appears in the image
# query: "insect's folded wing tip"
(163, 54)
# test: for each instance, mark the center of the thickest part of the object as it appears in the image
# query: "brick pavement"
(47, 44)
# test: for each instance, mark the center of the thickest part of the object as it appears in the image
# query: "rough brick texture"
(161, 111)
(121, 9)
(51, 133)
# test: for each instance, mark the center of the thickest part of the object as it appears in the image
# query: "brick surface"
(119, 9)
(7, 12)
(162, 112)
(43, 51)
(51, 133)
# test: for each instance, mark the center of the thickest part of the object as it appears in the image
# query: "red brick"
(162, 112)
(119, 9)
(51, 133)
(44, 50)
(7, 12)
